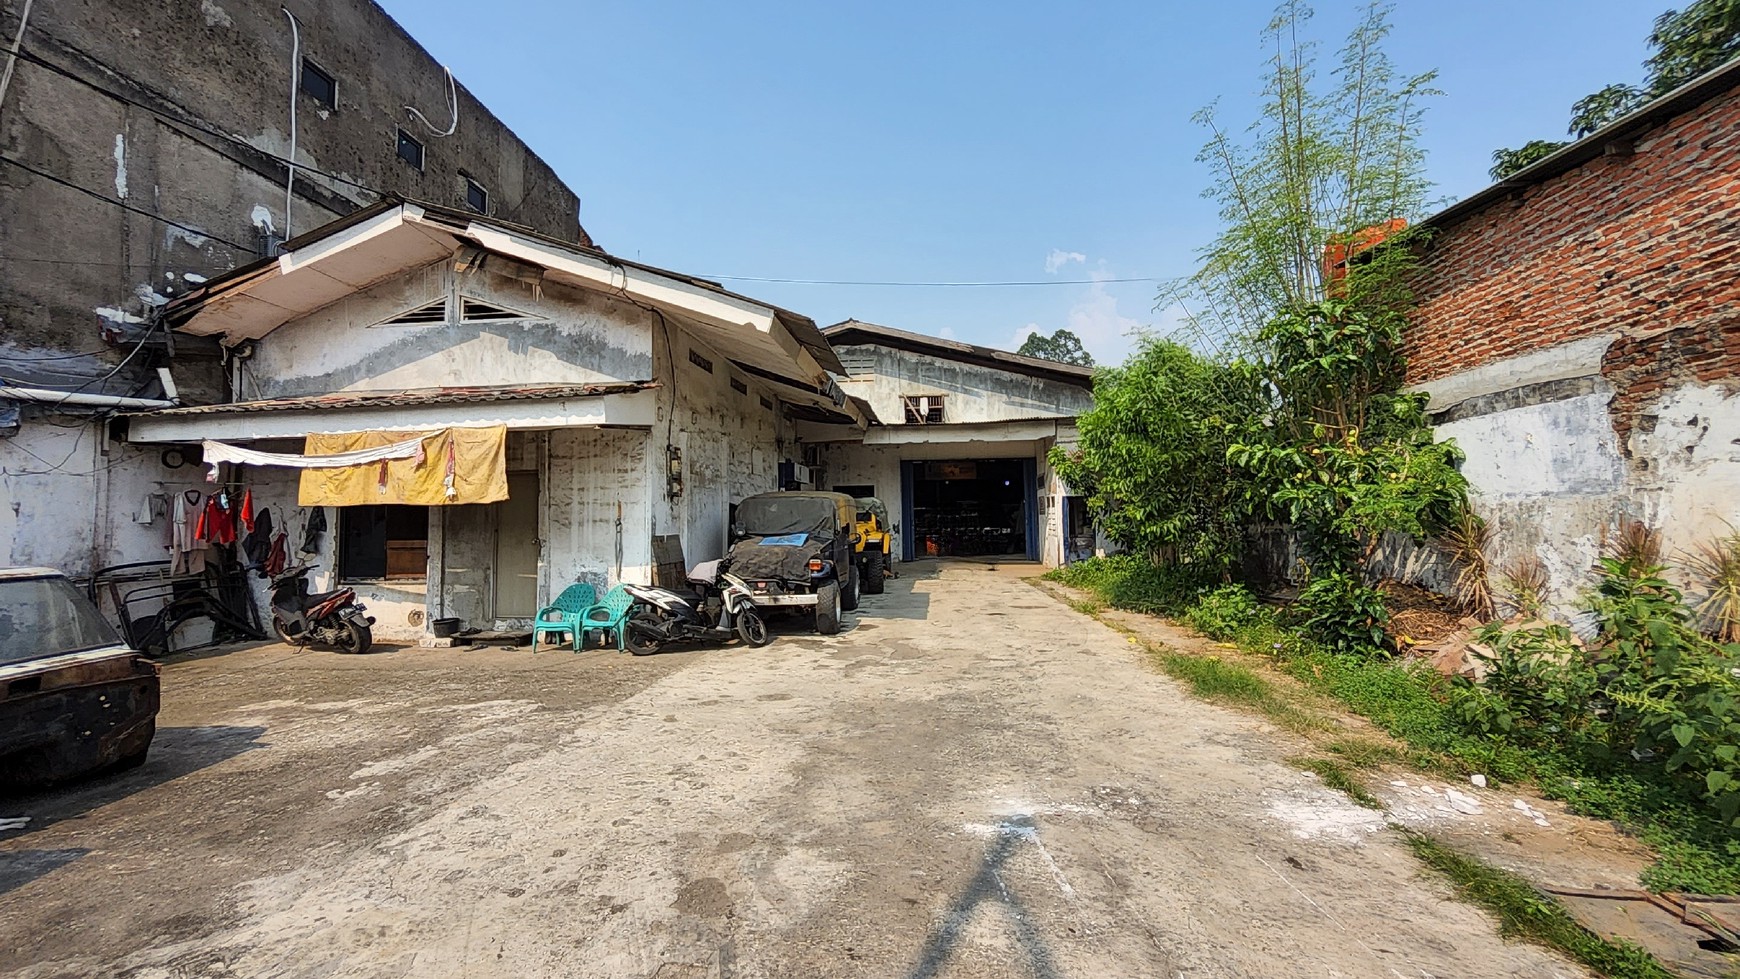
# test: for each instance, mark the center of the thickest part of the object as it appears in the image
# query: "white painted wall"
(1553, 482)
(971, 393)
(62, 479)
(731, 444)
(574, 337)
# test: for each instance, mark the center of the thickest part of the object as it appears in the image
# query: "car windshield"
(774, 516)
(48, 616)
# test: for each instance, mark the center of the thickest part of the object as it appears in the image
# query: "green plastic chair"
(564, 616)
(608, 614)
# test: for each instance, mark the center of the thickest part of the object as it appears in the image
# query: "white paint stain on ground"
(1320, 814)
(261, 216)
(215, 16)
(387, 766)
(150, 296)
(121, 166)
(193, 277)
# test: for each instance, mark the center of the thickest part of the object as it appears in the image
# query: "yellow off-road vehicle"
(872, 548)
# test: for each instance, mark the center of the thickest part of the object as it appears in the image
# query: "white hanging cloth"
(216, 452)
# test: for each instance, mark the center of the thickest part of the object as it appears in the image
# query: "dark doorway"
(973, 507)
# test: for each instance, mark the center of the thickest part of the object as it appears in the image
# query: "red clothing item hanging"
(215, 524)
(247, 513)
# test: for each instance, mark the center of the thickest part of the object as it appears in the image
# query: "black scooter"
(720, 609)
(332, 618)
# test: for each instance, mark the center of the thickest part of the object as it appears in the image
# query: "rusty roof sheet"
(414, 397)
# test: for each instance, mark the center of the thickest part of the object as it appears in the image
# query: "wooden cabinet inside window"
(407, 558)
(377, 542)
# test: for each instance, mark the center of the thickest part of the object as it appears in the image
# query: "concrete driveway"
(972, 780)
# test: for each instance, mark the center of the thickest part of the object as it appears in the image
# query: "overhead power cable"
(24, 54)
(123, 205)
(923, 285)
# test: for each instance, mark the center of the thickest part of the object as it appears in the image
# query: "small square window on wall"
(319, 85)
(476, 197)
(923, 409)
(410, 150)
(739, 386)
(700, 361)
(383, 542)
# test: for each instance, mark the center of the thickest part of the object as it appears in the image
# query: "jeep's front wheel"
(828, 609)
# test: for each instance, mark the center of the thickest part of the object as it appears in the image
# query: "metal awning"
(628, 405)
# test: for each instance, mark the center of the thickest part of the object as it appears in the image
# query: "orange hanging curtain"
(457, 465)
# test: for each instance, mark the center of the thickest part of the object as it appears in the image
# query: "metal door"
(517, 549)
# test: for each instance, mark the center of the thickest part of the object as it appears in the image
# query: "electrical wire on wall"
(453, 102)
(295, 78)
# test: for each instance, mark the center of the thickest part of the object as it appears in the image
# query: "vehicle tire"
(828, 609)
(636, 639)
(136, 757)
(875, 572)
(283, 636)
(752, 628)
(355, 638)
(849, 591)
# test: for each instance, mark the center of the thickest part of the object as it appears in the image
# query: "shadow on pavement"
(987, 885)
(20, 867)
(175, 751)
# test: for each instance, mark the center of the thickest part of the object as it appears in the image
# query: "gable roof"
(1616, 135)
(852, 332)
(394, 235)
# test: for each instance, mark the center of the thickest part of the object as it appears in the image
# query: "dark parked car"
(73, 697)
(795, 550)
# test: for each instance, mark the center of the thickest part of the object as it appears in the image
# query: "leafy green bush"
(1651, 691)
(1134, 583)
(1343, 614)
(1224, 612)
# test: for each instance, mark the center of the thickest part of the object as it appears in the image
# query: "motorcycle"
(721, 608)
(333, 618)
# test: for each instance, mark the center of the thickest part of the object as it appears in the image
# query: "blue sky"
(952, 141)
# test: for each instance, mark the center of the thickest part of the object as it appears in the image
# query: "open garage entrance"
(969, 508)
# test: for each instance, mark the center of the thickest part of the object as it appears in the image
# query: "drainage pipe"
(51, 397)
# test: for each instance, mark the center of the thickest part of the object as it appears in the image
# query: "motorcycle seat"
(315, 598)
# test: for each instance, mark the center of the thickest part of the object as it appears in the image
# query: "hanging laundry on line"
(217, 452)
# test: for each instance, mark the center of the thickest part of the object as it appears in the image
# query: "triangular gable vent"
(477, 311)
(435, 312)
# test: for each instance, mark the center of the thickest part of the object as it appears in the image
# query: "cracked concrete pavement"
(972, 780)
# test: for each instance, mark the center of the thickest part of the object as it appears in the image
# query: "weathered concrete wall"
(80, 277)
(597, 509)
(731, 442)
(971, 393)
(61, 479)
(573, 336)
(72, 265)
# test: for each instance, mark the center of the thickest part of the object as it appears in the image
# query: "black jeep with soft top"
(795, 550)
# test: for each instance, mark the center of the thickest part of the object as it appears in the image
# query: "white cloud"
(1022, 334)
(1103, 329)
(946, 333)
(1058, 258)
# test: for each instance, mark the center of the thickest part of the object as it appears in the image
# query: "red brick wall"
(1623, 244)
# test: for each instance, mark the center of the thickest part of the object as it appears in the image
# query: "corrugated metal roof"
(852, 332)
(415, 397)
